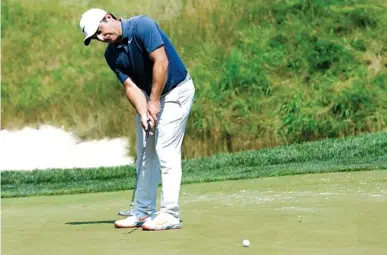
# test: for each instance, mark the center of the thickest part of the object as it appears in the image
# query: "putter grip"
(147, 131)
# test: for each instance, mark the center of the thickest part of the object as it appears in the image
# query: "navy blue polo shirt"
(130, 59)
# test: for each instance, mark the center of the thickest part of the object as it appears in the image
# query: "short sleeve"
(113, 65)
(148, 34)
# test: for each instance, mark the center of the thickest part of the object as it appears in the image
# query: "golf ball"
(246, 243)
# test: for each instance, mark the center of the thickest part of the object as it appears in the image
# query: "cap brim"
(87, 41)
(88, 38)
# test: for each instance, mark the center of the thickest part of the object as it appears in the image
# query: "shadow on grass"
(90, 222)
(98, 222)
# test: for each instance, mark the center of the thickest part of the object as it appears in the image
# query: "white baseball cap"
(89, 23)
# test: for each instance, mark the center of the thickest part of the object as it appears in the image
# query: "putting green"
(335, 213)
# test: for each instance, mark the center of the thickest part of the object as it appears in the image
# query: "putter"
(129, 212)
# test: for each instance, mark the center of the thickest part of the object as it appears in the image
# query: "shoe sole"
(173, 227)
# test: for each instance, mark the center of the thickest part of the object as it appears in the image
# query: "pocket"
(171, 107)
(186, 94)
(170, 98)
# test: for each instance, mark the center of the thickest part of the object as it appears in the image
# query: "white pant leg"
(148, 179)
(175, 109)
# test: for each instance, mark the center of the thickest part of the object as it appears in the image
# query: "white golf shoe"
(136, 220)
(161, 221)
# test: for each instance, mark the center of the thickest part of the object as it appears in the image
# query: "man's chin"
(117, 41)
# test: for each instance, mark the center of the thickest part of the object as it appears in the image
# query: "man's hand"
(153, 111)
(145, 121)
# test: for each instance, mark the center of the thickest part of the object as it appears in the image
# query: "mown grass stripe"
(202, 175)
(368, 145)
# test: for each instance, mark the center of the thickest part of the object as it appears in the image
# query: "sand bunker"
(50, 147)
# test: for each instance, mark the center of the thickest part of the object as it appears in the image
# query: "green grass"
(365, 152)
(329, 213)
(267, 73)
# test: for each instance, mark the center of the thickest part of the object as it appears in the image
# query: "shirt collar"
(125, 28)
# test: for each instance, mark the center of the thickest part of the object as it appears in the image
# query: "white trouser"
(163, 151)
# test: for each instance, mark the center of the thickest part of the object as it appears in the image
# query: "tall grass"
(266, 72)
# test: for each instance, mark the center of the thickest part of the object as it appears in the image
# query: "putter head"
(126, 213)
(130, 212)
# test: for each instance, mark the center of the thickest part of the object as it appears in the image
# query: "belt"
(187, 78)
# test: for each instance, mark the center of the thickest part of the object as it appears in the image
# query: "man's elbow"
(164, 63)
(129, 84)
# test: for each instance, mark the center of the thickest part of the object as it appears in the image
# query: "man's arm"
(148, 33)
(137, 99)
(133, 93)
(160, 74)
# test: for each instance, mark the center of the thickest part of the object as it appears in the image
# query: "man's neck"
(119, 32)
(120, 28)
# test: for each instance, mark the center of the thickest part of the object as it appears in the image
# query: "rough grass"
(366, 152)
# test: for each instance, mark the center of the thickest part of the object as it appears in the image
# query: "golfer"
(160, 89)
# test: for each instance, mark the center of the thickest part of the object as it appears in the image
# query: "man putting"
(160, 89)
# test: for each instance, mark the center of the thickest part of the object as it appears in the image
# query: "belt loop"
(187, 78)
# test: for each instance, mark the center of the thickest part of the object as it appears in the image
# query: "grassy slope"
(366, 152)
(272, 72)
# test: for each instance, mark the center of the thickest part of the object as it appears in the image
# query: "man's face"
(107, 30)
